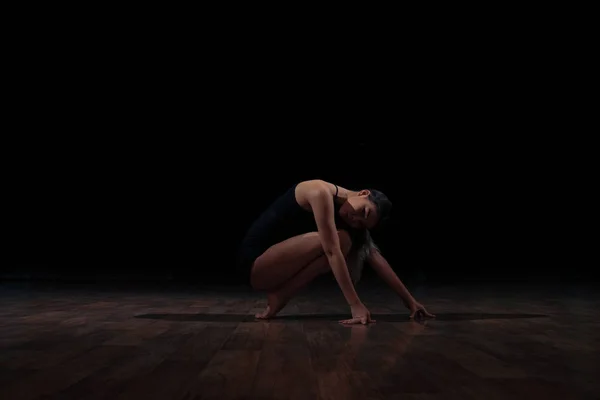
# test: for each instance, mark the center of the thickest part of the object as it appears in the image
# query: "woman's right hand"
(360, 315)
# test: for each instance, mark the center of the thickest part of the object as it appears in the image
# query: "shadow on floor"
(333, 317)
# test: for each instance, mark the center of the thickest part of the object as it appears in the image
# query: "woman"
(313, 228)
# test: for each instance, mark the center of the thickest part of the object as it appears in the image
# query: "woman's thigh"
(283, 260)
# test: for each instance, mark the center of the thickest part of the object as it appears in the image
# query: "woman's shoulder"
(314, 186)
(310, 188)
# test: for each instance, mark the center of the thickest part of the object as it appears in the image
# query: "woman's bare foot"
(274, 304)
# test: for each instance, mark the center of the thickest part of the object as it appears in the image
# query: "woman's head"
(367, 209)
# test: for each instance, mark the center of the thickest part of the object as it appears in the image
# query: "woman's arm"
(321, 203)
(385, 271)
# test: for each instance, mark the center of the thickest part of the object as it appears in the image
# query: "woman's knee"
(344, 240)
(308, 247)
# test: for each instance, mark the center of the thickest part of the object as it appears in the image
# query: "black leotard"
(283, 219)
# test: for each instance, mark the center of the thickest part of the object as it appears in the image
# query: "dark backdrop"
(176, 208)
(130, 148)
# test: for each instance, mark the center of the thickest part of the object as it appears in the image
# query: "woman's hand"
(360, 315)
(417, 309)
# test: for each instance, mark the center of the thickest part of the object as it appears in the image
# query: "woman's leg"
(278, 297)
(283, 260)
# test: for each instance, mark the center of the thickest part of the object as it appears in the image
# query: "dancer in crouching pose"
(313, 228)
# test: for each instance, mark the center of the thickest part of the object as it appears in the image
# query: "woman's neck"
(344, 194)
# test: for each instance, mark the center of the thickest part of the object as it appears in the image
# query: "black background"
(150, 161)
(465, 210)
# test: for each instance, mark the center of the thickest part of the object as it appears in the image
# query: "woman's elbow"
(338, 247)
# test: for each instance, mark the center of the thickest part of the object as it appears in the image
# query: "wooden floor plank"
(229, 375)
(173, 377)
(487, 343)
(284, 369)
(51, 380)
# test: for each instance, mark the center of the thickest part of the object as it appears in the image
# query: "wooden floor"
(501, 342)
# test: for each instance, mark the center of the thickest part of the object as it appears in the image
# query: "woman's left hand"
(417, 309)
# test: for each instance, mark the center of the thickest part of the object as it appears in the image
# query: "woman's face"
(359, 212)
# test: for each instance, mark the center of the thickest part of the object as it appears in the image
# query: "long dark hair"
(362, 243)
(383, 204)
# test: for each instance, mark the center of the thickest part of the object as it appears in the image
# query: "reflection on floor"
(497, 342)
